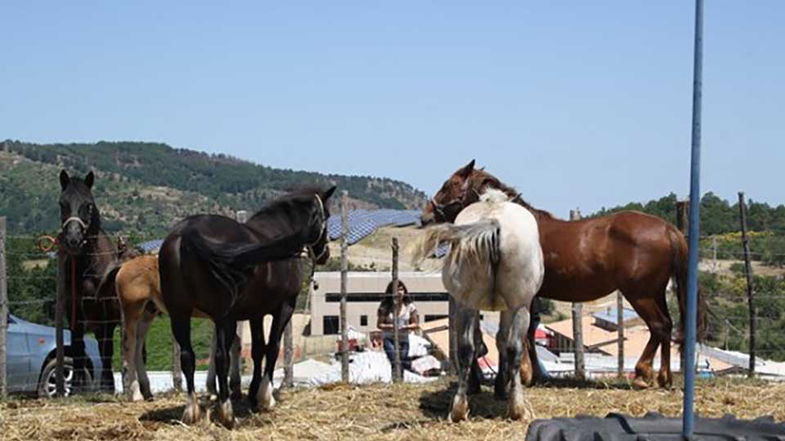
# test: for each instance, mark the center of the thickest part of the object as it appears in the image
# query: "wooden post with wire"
(745, 243)
(344, 285)
(3, 314)
(577, 324)
(288, 356)
(620, 331)
(397, 373)
(59, 324)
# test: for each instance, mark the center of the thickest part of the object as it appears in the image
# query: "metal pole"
(59, 323)
(397, 374)
(748, 273)
(344, 285)
(3, 313)
(694, 235)
(620, 330)
(577, 324)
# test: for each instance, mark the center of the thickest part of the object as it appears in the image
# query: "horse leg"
(210, 383)
(537, 373)
(280, 320)
(257, 353)
(131, 316)
(526, 370)
(501, 385)
(104, 335)
(466, 323)
(225, 331)
(79, 356)
(475, 376)
(665, 378)
(647, 309)
(181, 329)
(516, 333)
(141, 369)
(235, 379)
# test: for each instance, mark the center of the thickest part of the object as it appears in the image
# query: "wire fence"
(31, 276)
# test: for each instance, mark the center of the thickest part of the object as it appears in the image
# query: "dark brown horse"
(89, 255)
(225, 270)
(587, 259)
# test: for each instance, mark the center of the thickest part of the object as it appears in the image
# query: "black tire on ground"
(47, 385)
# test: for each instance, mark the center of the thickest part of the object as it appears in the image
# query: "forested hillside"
(146, 186)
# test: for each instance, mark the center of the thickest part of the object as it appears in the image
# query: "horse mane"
(300, 194)
(494, 196)
(490, 181)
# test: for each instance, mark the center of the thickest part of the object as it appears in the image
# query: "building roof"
(610, 315)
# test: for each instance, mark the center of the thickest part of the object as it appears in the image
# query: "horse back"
(590, 258)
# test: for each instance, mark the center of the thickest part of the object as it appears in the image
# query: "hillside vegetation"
(147, 186)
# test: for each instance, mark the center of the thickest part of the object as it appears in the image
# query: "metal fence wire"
(29, 276)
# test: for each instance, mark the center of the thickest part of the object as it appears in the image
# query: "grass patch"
(159, 344)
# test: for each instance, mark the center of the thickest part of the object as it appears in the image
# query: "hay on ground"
(372, 412)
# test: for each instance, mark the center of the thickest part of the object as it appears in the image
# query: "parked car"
(31, 359)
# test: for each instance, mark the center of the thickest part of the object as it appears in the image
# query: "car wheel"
(48, 385)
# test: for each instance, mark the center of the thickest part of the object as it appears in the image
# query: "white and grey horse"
(494, 263)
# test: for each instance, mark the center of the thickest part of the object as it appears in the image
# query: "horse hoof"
(460, 410)
(192, 415)
(639, 384)
(520, 409)
(665, 382)
(226, 414)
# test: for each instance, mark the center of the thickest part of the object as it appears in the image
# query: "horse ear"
(89, 179)
(329, 192)
(467, 170)
(64, 179)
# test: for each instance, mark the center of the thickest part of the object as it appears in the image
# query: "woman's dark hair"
(389, 298)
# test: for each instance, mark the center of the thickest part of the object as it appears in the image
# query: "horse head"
(79, 217)
(318, 248)
(462, 189)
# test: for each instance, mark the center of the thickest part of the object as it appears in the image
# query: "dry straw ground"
(406, 412)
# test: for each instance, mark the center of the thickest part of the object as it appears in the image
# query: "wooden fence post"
(177, 368)
(288, 356)
(3, 314)
(748, 273)
(397, 374)
(59, 323)
(577, 324)
(620, 331)
(344, 287)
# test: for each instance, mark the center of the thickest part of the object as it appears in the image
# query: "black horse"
(89, 254)
(215, 264)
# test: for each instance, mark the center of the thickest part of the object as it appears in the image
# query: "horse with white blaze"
(495, 263)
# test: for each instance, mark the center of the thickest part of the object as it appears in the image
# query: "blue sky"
(576, 103)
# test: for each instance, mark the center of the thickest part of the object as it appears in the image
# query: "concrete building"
(365, 291)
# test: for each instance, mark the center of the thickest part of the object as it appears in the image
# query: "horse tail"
(239, 256)
(680, 249)
(477, 241)
(108, 283)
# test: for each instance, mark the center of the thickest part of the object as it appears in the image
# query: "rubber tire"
(49, 370)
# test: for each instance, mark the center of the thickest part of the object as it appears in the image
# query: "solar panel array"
(363, 223)
(150, 245)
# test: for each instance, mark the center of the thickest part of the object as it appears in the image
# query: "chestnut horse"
(137, 285)
(587, 259)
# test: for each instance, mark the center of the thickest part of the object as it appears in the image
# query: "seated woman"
(407, 319)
